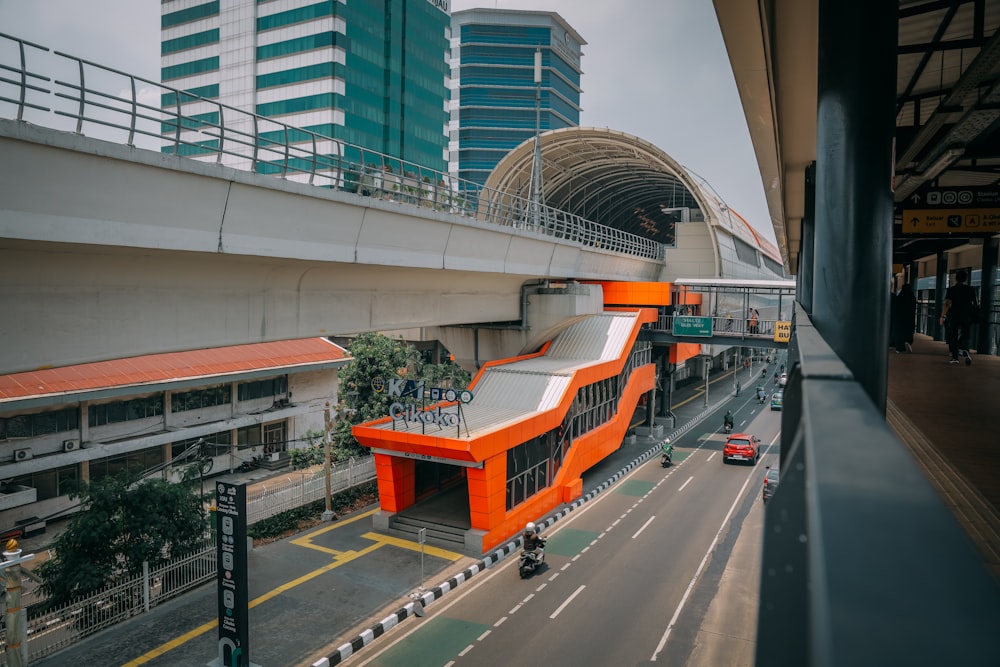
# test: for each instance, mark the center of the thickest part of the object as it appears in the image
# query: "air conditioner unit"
(70, 445)
(22, 454)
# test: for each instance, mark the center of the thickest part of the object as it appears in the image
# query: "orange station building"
(532, 425)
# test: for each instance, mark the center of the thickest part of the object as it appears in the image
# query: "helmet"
(530, 527)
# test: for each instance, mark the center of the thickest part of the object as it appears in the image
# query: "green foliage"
(123, 522)
(375, 359)
(311, 455)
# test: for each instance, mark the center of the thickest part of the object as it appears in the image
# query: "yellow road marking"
(339, 559)
(413, 546)
(306, 540)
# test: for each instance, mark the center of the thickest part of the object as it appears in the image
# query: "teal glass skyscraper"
(374, 73)
(493, 80)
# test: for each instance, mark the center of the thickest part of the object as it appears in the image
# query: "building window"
(190, 95)
(272, 436)
(189, 69)
(528, 469)
(189, 41)
(50, 483)
(216, 444)
(190, 14)
(201, 398)
(271, 387)
(139, 461)
(123, 411)
(40, 423)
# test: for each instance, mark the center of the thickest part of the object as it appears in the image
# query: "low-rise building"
(157, 413)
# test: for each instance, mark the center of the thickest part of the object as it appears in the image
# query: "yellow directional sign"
(942, 221)
(782, 331)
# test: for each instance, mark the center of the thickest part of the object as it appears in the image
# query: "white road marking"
(711, 456)
(649, 521)
(483, 636)
(466, 650)
(701, 566)
(567, 601)
(500, 622)
(686, 483)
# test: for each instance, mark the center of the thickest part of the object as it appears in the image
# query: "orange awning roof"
(170, 367)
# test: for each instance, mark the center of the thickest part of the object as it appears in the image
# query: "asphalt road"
(664, 567)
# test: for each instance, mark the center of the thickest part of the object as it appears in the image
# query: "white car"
(783, 379)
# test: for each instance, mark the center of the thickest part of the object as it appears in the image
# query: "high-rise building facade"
(493, 81)
(373, 73)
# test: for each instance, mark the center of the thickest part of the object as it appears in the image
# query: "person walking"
(904, 319)
(956, 316)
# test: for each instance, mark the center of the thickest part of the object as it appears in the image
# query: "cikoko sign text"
(397, 388)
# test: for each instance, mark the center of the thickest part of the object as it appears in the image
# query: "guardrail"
(97, 101)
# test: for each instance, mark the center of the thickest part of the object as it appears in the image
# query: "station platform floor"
(943, 412)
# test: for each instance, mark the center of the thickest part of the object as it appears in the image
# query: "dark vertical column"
(807, 250)
(853, 242)
(912, 271)
(987, 278)
(939, 289)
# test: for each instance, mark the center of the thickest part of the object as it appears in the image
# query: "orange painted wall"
(584, 453)
(488, 484)
(396, 482)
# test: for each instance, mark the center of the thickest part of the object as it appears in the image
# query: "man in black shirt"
(956, 316)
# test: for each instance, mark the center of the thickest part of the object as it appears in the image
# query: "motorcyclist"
(532, 540)
(761, 395)
(727, 421)
(667, 450)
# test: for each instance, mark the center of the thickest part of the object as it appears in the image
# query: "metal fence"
(60, 91)
(281, 494)
(52, 629)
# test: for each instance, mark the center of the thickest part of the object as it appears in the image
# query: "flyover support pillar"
(986, 281)
(856, 98)
(939, 290)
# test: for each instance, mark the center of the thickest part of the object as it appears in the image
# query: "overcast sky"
(656, 69)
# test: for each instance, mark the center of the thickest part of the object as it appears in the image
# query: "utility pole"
(328, 514)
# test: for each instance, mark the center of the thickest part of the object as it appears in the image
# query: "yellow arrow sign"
(938, 221)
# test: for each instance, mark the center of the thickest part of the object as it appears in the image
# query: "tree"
(375, 358)
(123, 522)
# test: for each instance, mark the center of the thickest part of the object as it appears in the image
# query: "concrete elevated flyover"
(109, 250)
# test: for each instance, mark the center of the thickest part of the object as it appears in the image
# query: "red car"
(741, 447)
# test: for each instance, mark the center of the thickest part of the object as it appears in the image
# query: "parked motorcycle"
(248, 465)
(531, 560)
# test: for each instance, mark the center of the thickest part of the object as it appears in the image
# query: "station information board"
(949, 210)
(692, 325)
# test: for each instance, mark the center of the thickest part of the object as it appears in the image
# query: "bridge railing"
(60, 91)
(857, 541)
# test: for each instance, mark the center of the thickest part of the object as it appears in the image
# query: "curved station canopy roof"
(605, 176)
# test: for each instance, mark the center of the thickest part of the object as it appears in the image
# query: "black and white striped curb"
(344, 651)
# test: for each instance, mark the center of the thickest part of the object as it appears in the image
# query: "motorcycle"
(727, 427)
(246, 466)
(667, 457)
(531, 560)
(761, 396)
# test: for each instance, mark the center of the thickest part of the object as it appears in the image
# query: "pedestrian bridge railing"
(60, 91)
